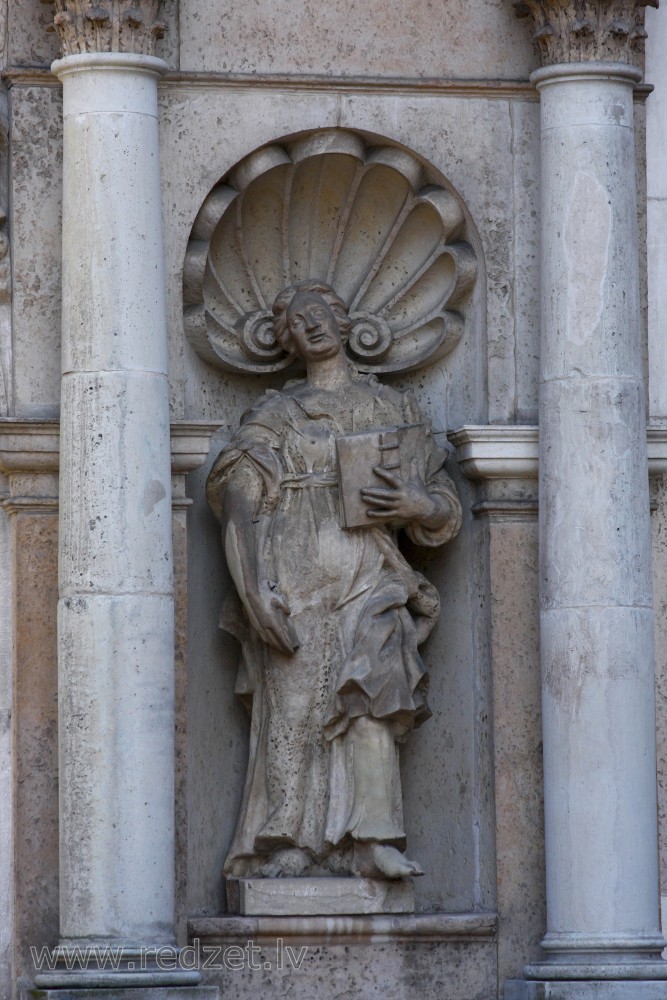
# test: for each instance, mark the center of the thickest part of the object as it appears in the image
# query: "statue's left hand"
(401, 501)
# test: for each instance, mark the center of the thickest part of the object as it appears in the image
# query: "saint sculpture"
(312, 492)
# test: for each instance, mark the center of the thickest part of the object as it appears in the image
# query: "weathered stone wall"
(448, 82)
(456, 40)
(374, 39)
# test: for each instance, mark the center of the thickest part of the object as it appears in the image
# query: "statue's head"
(300, 299)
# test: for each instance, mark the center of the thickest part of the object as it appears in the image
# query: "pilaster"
(29, 467)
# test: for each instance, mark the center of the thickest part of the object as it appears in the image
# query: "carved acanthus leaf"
(587, 30)
(108, 26)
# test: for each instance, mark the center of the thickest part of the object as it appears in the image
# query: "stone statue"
(330, 617)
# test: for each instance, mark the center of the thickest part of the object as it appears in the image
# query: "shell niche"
(327, 207)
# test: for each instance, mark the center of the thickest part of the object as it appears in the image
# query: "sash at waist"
(308, 479)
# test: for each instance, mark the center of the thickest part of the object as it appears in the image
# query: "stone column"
(656, 211)
(596, 624)
(656, 237)
(115, 612)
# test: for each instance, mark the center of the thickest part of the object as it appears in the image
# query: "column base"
(599, 989)
(91, 965)
(598, 971)
(120, 993)
(75, 982)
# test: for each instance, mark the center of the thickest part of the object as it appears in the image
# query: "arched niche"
(366, 218)
(398, 244)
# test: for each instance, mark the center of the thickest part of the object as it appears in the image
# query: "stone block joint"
(112, 26)
(587, 30)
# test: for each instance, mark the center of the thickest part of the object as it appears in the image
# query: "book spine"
(390, 456)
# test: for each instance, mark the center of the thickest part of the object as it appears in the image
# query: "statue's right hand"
(269, 613)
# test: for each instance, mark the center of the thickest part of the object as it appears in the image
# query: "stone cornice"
(86, 26)
(352, 930)
(567, 31)
(29, 446)
(30, 505)
(496, 451)
(487, 451)
(519, 509)
(511, 451)
(188, 83)
(190, 443)
(33, 446)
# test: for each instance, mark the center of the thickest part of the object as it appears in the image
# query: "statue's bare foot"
(383, 861)
(287, 863)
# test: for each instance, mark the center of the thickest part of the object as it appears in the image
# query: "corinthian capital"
(587, 30)
(107, 26)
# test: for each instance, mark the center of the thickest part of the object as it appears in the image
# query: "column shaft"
(115, 623)
(656, 211)
(595, 563)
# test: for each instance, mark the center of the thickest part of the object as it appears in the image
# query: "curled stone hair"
(283, 301)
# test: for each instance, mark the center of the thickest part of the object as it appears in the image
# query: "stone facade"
(165, 134)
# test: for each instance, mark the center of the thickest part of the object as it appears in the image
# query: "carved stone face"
(313, 328)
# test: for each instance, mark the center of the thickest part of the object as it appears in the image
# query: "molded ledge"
(34, 445)
(496, 451)
(511, 451)
(488, 451)
(377, 928)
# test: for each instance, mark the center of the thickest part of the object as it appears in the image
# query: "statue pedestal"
(390, 956)
(318, 896)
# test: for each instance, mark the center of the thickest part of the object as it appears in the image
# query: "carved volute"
(108, 26)
(587, 30)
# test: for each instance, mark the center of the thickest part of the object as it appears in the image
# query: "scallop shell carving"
(361, 219)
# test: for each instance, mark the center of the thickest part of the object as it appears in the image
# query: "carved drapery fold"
(109, 26)
(587, 30)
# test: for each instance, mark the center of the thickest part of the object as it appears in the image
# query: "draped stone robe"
(360, 613)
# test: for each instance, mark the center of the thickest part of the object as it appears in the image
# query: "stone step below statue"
(318, 896)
